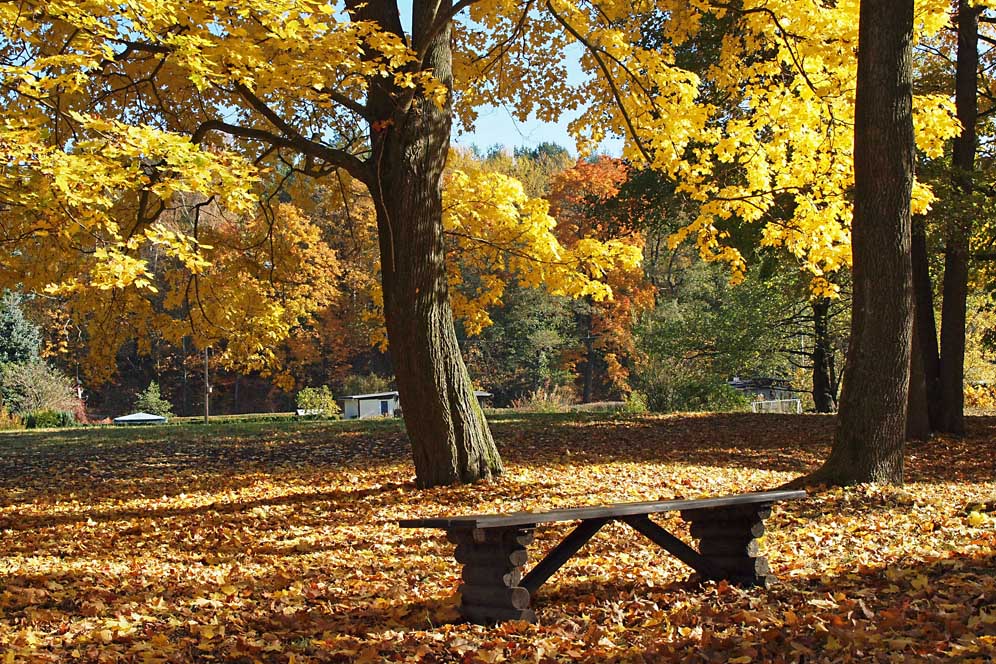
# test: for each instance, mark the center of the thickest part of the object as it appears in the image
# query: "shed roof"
(374, 395)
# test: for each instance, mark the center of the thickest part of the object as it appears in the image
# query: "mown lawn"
(276, 542)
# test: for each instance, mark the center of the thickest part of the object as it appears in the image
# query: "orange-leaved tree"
(583, 202)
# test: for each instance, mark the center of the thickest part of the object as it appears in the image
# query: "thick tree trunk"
(871, 424)
(823, 392)
(952, 369)
(925, 333)
(450, 439)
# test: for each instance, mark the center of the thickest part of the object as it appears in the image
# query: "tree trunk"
(185, 407)
(450, 439)
(925, 333)
(871, 425)
(823, 393)
(952, 369)
(917, 415)
(587, 395)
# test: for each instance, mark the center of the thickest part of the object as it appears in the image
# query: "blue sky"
(497, 126)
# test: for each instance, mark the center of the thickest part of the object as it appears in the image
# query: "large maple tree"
(871, 431)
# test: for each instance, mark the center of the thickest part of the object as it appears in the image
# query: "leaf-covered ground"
(277, 543)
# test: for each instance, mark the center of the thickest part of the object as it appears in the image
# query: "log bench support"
(492, 561)
(494, 588)
(728, 541)
(493, 548)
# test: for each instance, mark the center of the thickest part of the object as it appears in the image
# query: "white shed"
(379, 404)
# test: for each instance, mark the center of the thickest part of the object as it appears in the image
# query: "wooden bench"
(492, 547)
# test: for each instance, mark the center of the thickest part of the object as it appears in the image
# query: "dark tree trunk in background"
(451, 441)
(917, 415)
(824, 397)
(871, 424)
(925, 328)
(952, 368)
(588, 389)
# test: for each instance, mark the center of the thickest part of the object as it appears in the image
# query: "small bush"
(9, 421)
(35, 386)
(49, 419)
(151, 401)
(556, 399)
(317, 402)
(677, 385)
(636, 403)
(712, 396)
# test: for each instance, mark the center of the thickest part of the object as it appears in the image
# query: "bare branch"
(337, 158)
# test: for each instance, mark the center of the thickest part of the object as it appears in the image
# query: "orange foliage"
(583, 200)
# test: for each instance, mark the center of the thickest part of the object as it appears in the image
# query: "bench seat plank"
(597, 512)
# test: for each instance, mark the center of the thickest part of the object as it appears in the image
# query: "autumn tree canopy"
(113, 110)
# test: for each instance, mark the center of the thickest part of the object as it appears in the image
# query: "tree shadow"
(764, 441)
(789, 443)
(170, 461)
(337, 499)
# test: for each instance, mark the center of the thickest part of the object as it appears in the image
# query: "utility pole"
(207, 388)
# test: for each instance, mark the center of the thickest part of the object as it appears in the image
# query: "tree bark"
(451, 441)
(871, 425)
(823, 392)
(925, 333)
(952, 365)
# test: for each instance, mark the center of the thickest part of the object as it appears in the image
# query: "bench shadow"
(907, 621)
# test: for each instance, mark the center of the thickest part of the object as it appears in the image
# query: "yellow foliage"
(499, 233)
(242, 290)
(775, 152)
(980, 397)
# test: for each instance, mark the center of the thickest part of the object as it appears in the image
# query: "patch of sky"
(498, 126)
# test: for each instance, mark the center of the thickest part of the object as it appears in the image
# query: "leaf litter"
(278, 543)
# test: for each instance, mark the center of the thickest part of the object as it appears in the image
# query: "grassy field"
(277, 542)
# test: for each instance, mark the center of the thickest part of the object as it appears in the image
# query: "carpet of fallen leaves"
(278, 543)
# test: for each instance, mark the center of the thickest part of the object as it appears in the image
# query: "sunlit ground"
(278, 542)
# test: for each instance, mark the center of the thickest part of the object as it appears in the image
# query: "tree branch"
(336, 158)
(437, 26)
(616, 94)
